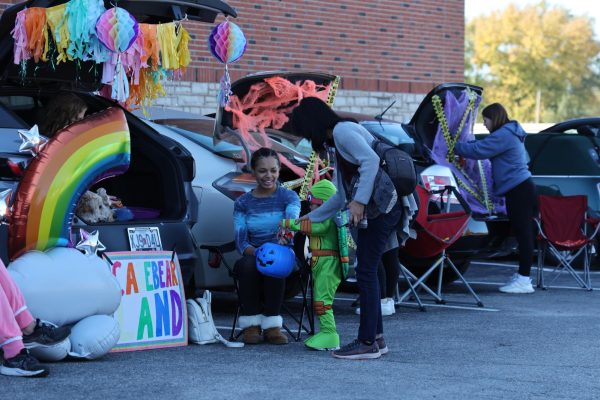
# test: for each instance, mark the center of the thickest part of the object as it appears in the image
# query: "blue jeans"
(369, 249)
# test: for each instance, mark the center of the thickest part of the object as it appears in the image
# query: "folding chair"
(301, 275)
(563, 223)
(435, 233)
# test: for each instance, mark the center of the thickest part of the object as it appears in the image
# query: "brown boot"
(251, 335)
(275, 336)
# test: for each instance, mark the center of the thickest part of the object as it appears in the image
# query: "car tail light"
(235, 184)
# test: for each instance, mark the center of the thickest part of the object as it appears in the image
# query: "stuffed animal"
(95, 207)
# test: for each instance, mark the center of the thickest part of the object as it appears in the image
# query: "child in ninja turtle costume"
(328, 244)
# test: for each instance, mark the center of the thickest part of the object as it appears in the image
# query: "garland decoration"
(481, 194)
(308, 174)
(84, 30)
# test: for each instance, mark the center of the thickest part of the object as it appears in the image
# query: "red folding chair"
(563, 224)
(435, 233)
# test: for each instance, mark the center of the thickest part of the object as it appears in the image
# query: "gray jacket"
(353, 142)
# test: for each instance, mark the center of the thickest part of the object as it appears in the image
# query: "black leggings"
(521, 207)
(389, 269)
(259, 294)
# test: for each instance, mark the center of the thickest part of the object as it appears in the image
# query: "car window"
(393, 132)
(303, 146)
(229, 146)
(200, 131)
(8, 117)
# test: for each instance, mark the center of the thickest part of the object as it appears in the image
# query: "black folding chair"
(301, 276)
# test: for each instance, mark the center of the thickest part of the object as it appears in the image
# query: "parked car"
(484, 236)
(222, 175)
(566, 158)
(161, 171)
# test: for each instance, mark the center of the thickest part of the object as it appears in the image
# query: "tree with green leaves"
(540, 61)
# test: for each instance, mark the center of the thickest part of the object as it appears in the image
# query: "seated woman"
(256, 220)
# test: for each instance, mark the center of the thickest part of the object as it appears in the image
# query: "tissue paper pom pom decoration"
(227, 42)
(117, 29)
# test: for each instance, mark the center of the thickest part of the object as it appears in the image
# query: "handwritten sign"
(152, 313)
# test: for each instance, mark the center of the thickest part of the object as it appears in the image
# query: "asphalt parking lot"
(540, 346)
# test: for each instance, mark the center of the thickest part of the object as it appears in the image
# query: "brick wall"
(379, 47)
(201, 98)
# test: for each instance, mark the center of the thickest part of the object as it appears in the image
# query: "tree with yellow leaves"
(539, 61)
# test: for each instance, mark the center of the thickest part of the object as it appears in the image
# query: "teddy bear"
(95, 207)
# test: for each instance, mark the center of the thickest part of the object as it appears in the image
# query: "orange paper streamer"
(266, 105)
(37, 32)
(151, 47)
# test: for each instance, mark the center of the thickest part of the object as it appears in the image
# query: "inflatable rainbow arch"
(74, 159)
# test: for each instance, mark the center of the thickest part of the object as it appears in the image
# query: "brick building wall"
(383, 49)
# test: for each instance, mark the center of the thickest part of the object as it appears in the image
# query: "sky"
(591, 8)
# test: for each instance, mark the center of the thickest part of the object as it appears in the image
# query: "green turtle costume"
(328, 244)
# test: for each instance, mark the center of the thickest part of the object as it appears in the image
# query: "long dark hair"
(62, 110)
(497, 114)
(263, 152)
(312, 119)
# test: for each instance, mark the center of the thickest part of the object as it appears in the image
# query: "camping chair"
(301, 276)
(562, 223)
(435, 233)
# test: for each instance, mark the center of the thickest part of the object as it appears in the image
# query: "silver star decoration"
(4, 203)
(89, 243)
(32, 140)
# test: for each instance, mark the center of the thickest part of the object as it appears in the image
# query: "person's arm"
(241, 228)
(292, 209)
(349, 141)
(308, 227)
(489, 147)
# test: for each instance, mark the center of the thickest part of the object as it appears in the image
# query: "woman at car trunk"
(506, 150)
(357, 169)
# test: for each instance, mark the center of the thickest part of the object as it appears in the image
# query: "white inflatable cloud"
(53, 353)
(64, 286)
(94, 336)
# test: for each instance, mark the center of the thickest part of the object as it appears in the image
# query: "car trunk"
(423, 125)
(86, 75)
(242, 86)
(158, 169)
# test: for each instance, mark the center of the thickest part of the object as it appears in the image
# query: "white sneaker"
(387, 307)
(518, 284)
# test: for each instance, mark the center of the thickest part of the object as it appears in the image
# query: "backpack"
(202, 329)
(398, 165)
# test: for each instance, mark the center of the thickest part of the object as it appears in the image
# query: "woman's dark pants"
(521, 207)
(369, 249)
(259, 294)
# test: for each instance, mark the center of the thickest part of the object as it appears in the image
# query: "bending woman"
(505, 147)
(356, 171)
(256, 220)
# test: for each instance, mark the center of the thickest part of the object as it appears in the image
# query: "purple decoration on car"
(470, 175)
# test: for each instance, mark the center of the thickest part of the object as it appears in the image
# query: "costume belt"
(324, 253)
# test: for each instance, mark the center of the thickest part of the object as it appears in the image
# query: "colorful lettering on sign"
(152, 313)
(147, 272)
(131, 281)
(168, 314)
(145, 322)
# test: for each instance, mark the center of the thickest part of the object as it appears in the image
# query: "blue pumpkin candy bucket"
(275, 260)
